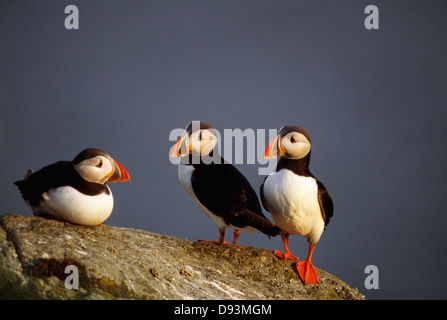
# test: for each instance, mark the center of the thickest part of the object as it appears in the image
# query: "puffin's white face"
(97, 169)
(294, 145)
(202, 142)
(291, 145)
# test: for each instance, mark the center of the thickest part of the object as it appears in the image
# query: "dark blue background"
(373, 102)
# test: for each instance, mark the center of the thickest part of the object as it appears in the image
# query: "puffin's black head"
(96, 166)
(292, 142)
(197, 126)
(199, 139)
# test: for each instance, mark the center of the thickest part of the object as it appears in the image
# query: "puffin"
(74, 191)
(219, 189)
(298, 202)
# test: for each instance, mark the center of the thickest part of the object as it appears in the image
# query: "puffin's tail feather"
(262, 224)
(23, 186)
(272, 231)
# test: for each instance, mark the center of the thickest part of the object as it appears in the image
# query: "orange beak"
(119, 173)
(179, 149)
(274, 149)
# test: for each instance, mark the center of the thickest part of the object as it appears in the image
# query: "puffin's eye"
(99, 165)
(200, 135)
(292, 139)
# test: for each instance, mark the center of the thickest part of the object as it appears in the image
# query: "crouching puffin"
(217, 187)
(299, 202)
(74, 191)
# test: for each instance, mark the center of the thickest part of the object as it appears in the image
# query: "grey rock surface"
(123, 263)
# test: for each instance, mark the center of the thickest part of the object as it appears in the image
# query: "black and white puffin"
(74, 191)
(217, 187)
(299, 202)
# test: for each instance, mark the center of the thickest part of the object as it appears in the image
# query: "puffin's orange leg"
(306, 270)
(287, 254)
(235, 236)
(221, 240)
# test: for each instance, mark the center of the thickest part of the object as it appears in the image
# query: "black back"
(223, 190)
(58, 174)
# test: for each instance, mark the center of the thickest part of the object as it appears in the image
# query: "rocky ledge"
(108, 262)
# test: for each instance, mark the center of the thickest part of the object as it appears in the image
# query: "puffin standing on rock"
(299, 202)
(74, 191)
(217, 187)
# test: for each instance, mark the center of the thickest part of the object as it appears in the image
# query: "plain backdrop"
(372, 101)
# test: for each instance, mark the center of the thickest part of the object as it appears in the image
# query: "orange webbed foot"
(307, 272)
(285, 255)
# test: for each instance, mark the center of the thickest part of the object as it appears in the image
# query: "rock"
(123, 263)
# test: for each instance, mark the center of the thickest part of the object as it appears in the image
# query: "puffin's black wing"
(326, 204)
(223, 190)
(261, 191)
(49, 177)
(61, 173)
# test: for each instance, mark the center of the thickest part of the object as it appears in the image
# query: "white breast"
(293, 202)
(73, 206)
